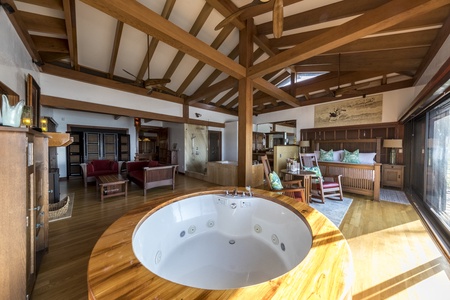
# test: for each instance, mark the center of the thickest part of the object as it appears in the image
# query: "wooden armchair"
(292, 188)
(322, 186)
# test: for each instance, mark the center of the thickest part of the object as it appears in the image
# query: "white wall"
(15, 62)
(394, 104)
(176, 135)
(231, 140)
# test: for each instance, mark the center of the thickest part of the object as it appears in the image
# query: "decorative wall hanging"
(365, 110)
(34, 99)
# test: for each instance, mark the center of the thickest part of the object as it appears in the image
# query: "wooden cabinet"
(124, 147)
(392, 175)
(169, 157)
(24, 213)
(368, 131)
(259, 140)
(75, 154)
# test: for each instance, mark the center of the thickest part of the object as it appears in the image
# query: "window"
(438, 163)
(300, 77)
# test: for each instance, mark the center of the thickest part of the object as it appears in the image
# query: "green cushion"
(275, 181)
(315, 169)
(326, 155)
(351, 157)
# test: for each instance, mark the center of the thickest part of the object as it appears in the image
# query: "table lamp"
(393, 144)
(304, 145)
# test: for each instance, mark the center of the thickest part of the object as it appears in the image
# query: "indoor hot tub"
(222, 241)
(209, 245)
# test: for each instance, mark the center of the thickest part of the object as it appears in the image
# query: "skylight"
(300, 77)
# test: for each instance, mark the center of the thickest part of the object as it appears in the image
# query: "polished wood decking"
(394, 256)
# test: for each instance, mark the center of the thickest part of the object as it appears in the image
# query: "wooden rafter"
(377, 19)
(71, 31)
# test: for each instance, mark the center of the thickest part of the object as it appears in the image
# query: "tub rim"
(114, 270)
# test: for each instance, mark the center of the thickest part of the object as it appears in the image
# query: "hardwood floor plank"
(394, 257)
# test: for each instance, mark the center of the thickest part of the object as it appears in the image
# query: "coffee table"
(112, 185)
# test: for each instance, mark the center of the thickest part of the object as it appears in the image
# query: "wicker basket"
(59, 209)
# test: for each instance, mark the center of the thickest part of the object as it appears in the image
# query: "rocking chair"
(291, 188)
(322, 186)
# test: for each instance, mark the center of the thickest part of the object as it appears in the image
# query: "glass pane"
(438, 175)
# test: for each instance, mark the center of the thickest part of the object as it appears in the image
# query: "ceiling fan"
(149, 83)
(277, 18)
(352, 89)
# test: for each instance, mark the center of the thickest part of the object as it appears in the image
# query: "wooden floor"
(394, 257)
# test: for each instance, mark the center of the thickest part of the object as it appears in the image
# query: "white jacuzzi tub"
(221, 242)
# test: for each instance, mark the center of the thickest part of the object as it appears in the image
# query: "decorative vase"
(11, 114)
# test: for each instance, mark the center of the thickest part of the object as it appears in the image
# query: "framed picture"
(33, 99)
(364, 110)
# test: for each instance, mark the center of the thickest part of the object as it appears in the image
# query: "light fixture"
(27, 116)
(44, 124)
(393, 144)
(303, 145)
(198, 115)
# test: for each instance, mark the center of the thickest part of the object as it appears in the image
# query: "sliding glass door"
(438, 163)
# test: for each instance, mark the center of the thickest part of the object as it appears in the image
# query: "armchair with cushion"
(322, 186)
(98, 167)
(291, 188)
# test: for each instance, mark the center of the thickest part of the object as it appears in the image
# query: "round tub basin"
(219, 242)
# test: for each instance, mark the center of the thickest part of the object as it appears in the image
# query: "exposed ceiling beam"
(382, 17)
(167, 10)
(218, 41)
(442, 36)
(144, 19)
(275, 92)
(214, 89)
(71, 31)
(115, 49)
(92, 79)
(21, 30)
(195, 29)
(53, 4)
(63, 103)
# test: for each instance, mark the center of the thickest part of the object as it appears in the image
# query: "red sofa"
(98, 168)
(150, 174)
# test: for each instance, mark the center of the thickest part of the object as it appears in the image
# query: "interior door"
(214, 145)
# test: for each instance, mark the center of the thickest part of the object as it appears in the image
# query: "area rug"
(395, 196)
(61, 210)
(334, 210)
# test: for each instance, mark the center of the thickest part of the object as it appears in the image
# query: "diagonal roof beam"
(195, 29)
(224, 33)
(144, 19)
(115, 50)
(444, 32)
(214, 89)
(168, 7)
(71, 29)
(380, 18)
(275, 92)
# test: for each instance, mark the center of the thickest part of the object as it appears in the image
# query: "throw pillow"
(367, 158)
(351, 157)
(315, 169)
(326, 155)
(275, 181)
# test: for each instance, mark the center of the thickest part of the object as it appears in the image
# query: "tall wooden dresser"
(24, 209)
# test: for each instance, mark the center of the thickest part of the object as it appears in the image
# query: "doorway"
(214, 145)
